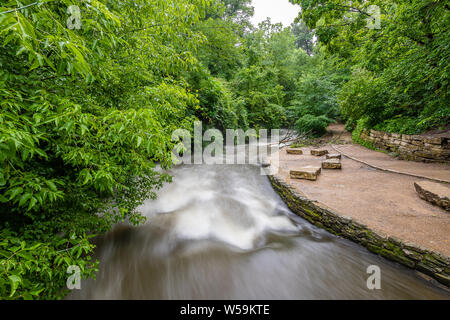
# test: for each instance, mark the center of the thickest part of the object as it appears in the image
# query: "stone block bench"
(296, 151)
(332, 164)
(306, 173)
(435, 193)
(334, 156)
(319, 152)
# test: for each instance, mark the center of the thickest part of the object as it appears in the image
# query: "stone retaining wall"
(411, 147)
(430, 263)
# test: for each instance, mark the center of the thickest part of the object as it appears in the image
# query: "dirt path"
(436, 171)
(385, 202)
(439, 172)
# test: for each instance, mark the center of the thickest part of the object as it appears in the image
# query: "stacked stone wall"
(411, 147)
(408, 254)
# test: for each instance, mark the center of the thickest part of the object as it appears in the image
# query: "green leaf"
(51, 185)
(33, 202)
(15, 192)
(15, 281)
(3, 199)
(24, 199)
(2, 180)
(139, 141)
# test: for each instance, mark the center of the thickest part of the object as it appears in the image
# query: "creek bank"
(406, 253)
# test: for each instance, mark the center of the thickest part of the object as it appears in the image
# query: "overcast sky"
(278, 10)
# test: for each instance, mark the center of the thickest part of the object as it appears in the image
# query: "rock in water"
(307, 173)
(332, 164)
(435, 193)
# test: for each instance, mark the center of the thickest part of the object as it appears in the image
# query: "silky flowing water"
(221, 232)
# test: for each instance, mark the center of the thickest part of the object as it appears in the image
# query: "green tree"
(85, 116)
(304, 38)
(403, 63)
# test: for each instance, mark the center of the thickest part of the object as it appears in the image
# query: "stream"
(221, 232)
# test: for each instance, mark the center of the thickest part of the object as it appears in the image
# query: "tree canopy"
(398, 53)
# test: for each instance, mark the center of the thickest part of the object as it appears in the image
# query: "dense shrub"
(360, 97)
(312, 125)
(361, 125)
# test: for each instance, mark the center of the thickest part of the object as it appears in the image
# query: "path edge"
(431, 263)
(388, 170)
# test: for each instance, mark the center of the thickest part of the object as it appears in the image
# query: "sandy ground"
(382, 160)
(385, 202)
